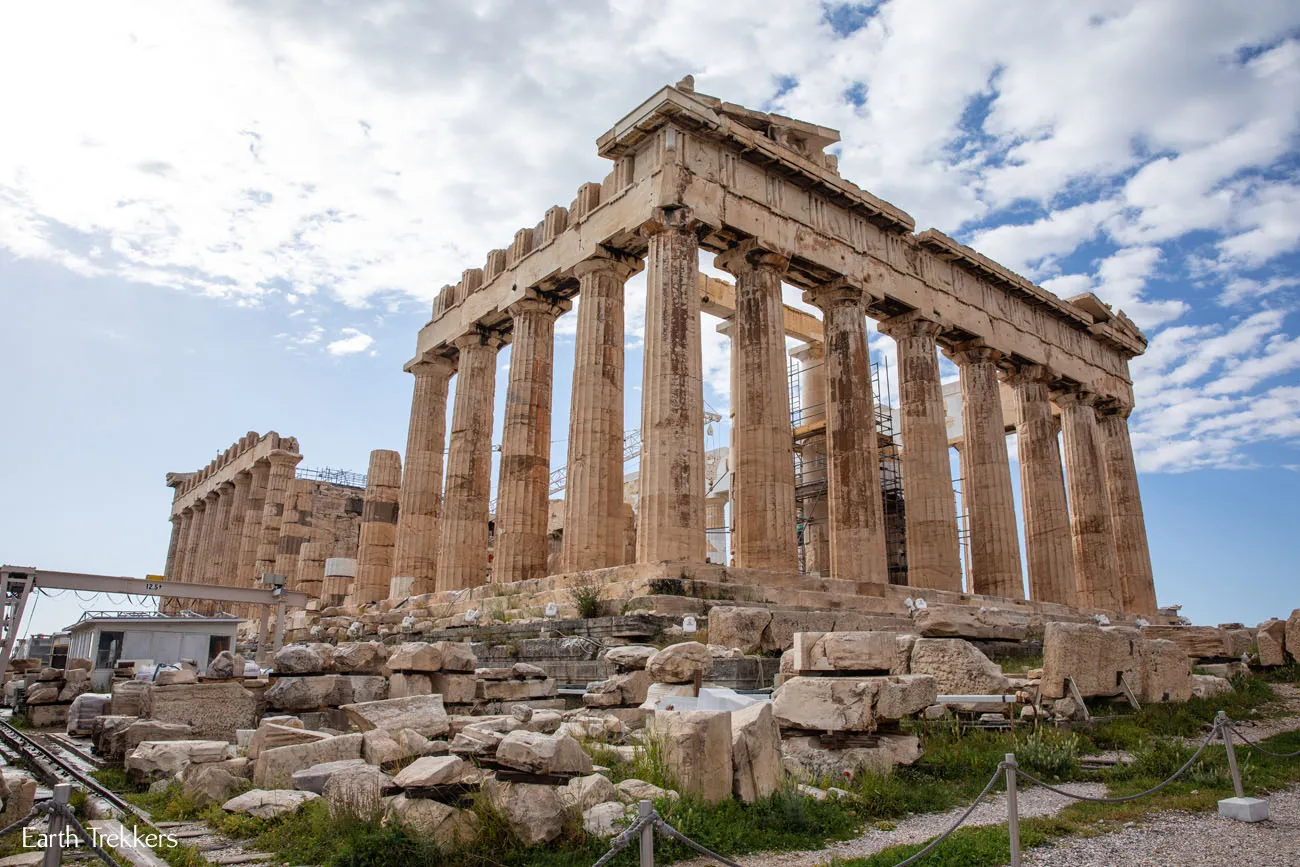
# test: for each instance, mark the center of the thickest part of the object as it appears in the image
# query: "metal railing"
(648, 821)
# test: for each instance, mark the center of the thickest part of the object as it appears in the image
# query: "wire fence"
(648, 820)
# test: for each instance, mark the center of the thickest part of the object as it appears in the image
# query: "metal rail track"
(54, 768)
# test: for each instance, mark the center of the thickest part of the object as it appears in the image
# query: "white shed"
(105, 637)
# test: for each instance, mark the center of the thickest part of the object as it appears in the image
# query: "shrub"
(1050, 754)
(585, 593)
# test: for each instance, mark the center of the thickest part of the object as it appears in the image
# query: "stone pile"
(50, 691)
(212, 710)
(315, 678)
(676, 671)
(838, 711)
(622, 693)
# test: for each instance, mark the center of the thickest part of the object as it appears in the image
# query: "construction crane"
(18, 582)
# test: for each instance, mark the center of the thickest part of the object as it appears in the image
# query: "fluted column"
(463, 531)
(1127, 520)
(525, 480)
(295, 530)
(762, 493)
(191, 570)
(206, 563)
(1095, 561)
(994, 546)
(671, 519)
(234, 537)
(225, 501)
(812, 454)
(415, 559)
(378, 527)
(177, 572)
(1048, 548)
(593, 495)
(857, 529)
(933, 559)
(277, 495)
(251, 536)
(172, 544)
(311, 568)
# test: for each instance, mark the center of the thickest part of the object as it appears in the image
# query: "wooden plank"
(1078, 696)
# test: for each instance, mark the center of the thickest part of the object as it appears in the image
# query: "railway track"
(53, 760)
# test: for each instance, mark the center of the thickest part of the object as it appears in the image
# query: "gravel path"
(1188, 840)
(918, 829)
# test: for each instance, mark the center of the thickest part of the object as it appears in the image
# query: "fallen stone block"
(361, 657)
(1270, 639)
(356, 792)
(422, 713)
(303, 659)
(168, 758)
(958, 667)
(213, 710)
(850, 703)
(402, 685)
(211, 784)
(965, 621)
(151, 730)
(268, 736)
(631, 657)
(275, 767)
(697, 748)
(454, 688)
(302, 693)
(606, 820)
(534, 812)
(536, 753)
(679, 663)
(885, 652)
(1198, 642)
(755, 752)
(175, 677)
(806, 758)
(446, 826)
(632, 790)
(1209, 686)
(314, 778)
(583, 793)
(431, 771)
(268, 803)
(1093, 656)
(742, 628)
(1166, 672)
(514, 690)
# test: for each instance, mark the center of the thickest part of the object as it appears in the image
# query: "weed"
(585, 593)
(1050, 753)
(668, 586)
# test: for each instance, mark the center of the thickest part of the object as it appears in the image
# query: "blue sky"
(233, 218)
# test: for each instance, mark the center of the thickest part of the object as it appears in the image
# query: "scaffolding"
(341, 478)
(808, 423)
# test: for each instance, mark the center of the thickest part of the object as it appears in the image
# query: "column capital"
(1028, 373)
(836, 293)
(282, 458)
(1114, 409)
(199, 506)
(909, 324)
(973, 352)
(535, 304)
(749, 255)
(1075, 396)
(211, 496)
(616, 263)
(434, 365)
(672, 220)
(481, 337)
(225, 488)
(244, 476)
(809, 352)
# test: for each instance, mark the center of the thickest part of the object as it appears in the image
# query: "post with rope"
(1241, 808)
(57, 826)
(645, 814)
(1013, 814)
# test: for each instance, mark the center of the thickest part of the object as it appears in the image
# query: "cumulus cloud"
(352, 342)
(334, 156)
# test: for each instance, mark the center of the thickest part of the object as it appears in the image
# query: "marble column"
(234, 538)
(415, 559)
(1127, 520)
(252, 530)
(1095, 561)
(378, 527)
(857, 528)
(295, 530)
(671, 514)
(206, 563)
(994, 545)
(311, 568)
(191, 571)
(1048, 548)
(463, 530)
(225, 501)
(812, 454)
(715, 523)
(762, 493)
(525, 480)
(277, 495)
(594, 535)
(177, 572)
(172, 544)
(933, 558)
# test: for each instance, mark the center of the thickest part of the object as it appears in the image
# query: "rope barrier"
(678, 835)
(35, 811)
(1126, 798)
(87, 837)
(623, 840)
(955, 825)
(1263, 750)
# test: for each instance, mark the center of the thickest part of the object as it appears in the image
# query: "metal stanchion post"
(644, 810)
(1241, 808)
(1232, 755)
(58, 825)
(1013, 816)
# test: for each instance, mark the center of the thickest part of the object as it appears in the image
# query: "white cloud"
(352, 342)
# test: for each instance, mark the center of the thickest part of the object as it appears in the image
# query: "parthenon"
(692, 173)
